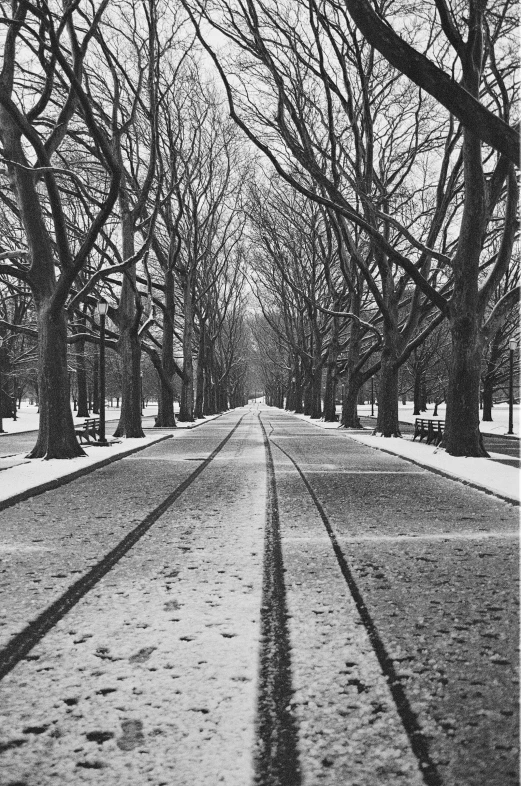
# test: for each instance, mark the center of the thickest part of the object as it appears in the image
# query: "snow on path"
(18, 474)
(150, 678)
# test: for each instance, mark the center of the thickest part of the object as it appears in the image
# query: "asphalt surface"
(154, 611)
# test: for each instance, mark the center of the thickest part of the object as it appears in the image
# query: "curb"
(437, 471)
(448, 475)
(57, 482)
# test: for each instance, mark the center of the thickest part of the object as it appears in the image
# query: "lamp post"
(1, 423)
(372, 397)
(102, 309)
(513, 346)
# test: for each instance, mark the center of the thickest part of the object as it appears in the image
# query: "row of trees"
(377, 216)
(122, 180)
(402, 182)
(319, 330)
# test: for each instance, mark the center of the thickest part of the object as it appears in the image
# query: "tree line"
(393, 123)
(352, 169)
(122, 180)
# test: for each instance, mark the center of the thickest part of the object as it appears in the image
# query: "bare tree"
(302, 61)
(37, 105)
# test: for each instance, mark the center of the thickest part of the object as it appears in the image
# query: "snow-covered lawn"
(27, 418)
(498, 425)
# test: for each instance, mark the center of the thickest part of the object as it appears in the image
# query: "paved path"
(259, 601)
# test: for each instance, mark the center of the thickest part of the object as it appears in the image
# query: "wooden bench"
(89, 431)
(431, 429)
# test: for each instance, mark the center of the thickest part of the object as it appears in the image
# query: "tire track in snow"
(24, 641)
(418, 742)
(276, 760)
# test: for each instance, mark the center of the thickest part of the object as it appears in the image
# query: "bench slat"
(433, 430)
(90, 428)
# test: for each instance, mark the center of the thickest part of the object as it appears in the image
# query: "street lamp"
(101, 310)
(1, 423)
(372, 397)
(513, 346)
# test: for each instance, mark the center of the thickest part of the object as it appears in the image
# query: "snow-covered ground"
(27, 418)
(498, 425)
(488, 474)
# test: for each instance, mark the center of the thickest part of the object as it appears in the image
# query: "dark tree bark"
(350, 417)
(387, 421)
(56, 437)
(488, 398)
(95, 383)
(329, 414)
(129, 346)
(129, 349)
(201, 365)
(81, 379)
(165, 413)
(417, 390)
(186, 408)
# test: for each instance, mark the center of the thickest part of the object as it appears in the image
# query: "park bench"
(88, 431)
(431, 429)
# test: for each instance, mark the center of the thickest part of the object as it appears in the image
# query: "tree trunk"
(186, 409)
(350, 417)
(417, 391)
(488, 396)
(130, 352)
(95, 384)
(387, 421)
(81, 381)
(129, 346)
(316, 393)
(56, 437)
(165, 405)
(330, 415)
(352, 380)
(462, 435)
(201, 363)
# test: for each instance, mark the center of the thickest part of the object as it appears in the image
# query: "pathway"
(259, 601)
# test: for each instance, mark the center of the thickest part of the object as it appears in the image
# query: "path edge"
(57, 482)
(443, 473)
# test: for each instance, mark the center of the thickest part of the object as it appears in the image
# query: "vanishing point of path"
(259, 601)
